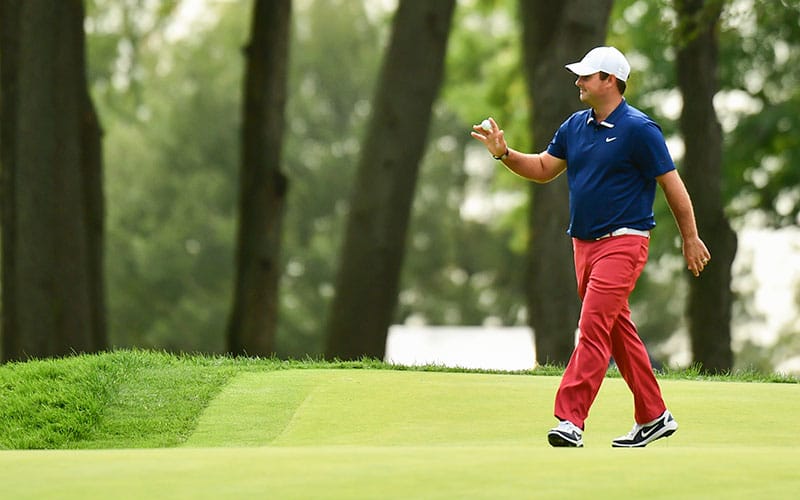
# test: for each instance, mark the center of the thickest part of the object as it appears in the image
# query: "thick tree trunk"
(52, 220)
(710, 298)
(372, 253)
(554, 34)
(263, 187)
(9, 61)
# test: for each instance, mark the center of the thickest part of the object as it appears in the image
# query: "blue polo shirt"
(611, 169)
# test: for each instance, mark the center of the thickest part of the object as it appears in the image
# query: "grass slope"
(120, 399)
(279, 430)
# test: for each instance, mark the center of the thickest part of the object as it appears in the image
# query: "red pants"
(607, 271)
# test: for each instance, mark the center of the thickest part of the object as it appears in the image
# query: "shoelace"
(633, 431)
(568, 427)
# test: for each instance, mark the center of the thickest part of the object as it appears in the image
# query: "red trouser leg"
(606, 272)
(633, 362)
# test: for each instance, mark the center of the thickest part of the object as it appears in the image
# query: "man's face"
(591, 88)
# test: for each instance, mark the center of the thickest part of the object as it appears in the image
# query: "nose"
(578, 82)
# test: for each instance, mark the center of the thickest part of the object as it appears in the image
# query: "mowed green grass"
(405, 434)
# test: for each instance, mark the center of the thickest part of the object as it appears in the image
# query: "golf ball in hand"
(486, 125)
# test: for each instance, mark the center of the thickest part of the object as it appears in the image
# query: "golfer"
(614, 156)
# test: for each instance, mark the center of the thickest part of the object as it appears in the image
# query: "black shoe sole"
(557, 441)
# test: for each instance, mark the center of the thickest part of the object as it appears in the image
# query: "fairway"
(408, 434)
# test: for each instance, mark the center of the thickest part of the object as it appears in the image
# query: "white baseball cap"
(606, 59)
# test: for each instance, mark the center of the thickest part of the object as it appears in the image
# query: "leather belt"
(625, 230)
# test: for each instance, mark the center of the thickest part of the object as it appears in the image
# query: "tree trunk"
(374, 244)
(263, 187)
(52, 223)
(554, 34)
(710, 298)
(9, 61)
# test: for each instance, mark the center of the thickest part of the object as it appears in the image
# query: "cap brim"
(581, 69)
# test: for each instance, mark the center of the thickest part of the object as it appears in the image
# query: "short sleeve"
(650, 154)
(558, 145)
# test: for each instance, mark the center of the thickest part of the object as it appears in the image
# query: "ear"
(612, 83)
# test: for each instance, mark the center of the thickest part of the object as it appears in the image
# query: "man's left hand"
(697, 255)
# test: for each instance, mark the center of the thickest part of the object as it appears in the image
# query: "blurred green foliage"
(168, 88)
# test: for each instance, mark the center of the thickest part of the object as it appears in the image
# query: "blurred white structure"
(476, 347)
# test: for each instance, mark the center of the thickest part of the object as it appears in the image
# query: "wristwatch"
(502, 156)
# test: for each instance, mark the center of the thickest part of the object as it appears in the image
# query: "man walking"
(614, 156)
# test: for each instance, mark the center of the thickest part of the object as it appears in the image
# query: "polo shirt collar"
(609, 122)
